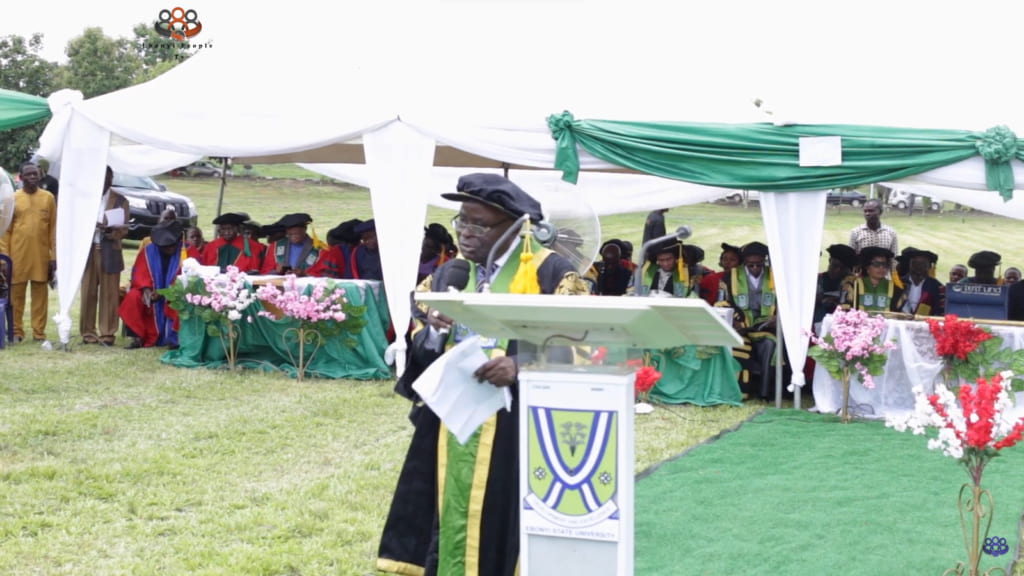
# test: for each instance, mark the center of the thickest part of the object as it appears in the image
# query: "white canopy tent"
(472, 89)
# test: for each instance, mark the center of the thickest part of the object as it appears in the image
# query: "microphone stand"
(681, 233)
(513, 229)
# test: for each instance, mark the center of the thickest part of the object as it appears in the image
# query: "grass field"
(114, 464)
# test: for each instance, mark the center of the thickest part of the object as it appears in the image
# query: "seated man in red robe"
(143, 310)
(231, 248)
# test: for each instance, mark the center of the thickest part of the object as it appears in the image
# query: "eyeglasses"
(463, 227)
(879, 264)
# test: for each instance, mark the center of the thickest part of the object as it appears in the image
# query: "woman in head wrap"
(437, 248)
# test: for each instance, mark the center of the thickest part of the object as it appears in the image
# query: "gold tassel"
(318, 244)
(525, 280)
(682, 269)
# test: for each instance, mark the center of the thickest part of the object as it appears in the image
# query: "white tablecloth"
(912, 362)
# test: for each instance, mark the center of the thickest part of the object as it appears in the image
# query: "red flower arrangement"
(974, 425)
(955, 338)
(645, 378)
(964, 347)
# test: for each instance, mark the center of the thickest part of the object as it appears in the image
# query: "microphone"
(456, 280)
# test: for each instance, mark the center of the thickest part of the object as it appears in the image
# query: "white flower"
(234, 315)
(190, 268)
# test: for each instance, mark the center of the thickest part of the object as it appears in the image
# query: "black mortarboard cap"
(438, 233)
(694, 254)
(166, 233)
(236, 218)
(871, 252)
(366, 226)
(614, 242)
(726, 247)
(270, 229)
(910, 252)
(497, 192)
(346, 231)
(985, 259)
(754, 248)
(294, 220)
(667, 246)
(844, 253)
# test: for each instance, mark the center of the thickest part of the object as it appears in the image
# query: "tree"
(22, 69)
(98, 64)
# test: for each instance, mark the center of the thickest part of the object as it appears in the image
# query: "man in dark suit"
(101, 281)
(1016, 301)
(922, 294)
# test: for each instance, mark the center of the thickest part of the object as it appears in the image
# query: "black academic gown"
(409, 540)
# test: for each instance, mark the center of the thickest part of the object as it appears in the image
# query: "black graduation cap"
(438, 233)
(166, 233)
(498, 192)
(694, 254)
(726, 247)
(270, 229)
(667, 246)
(871, 252)
(366, 226)
(345, 232)
(754, 248)
(985, 259)
(236, 218)
(908, 254)
(295, 220)
(614, 242)
(844, 253)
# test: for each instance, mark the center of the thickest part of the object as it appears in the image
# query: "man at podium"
(476, 530)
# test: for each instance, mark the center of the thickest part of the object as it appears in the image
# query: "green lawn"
(114, 464)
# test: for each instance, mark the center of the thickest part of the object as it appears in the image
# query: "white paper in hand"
(115, 217)
(454, 394)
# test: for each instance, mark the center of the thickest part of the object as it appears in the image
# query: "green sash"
(463, 469)
(679, 289)
(741, 296)
(874, 298)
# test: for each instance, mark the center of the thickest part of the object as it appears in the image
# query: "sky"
(904, 62)
(61, 20)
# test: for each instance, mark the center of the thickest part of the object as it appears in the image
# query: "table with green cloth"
(262, 344)
(698, 375)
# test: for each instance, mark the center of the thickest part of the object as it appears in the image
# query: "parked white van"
(901, 199)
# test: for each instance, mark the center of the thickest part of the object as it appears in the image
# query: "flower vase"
(844, 379)
(975, 505)
(307, 340)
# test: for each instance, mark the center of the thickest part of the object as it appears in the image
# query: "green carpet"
(791, 492)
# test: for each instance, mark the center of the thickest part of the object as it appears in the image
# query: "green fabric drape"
(766, 157)
(18, 109)
(261, 344)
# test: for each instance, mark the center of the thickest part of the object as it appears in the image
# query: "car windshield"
(132, 181)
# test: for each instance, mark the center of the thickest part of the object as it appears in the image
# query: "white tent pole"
(223, 183)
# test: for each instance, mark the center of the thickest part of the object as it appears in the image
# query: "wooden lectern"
(576, 422)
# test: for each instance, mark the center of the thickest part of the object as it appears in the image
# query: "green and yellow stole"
(741, 296)
(873, 298)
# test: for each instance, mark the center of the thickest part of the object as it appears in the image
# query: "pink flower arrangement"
(227, 294)
(322, 305)
(853, 342)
